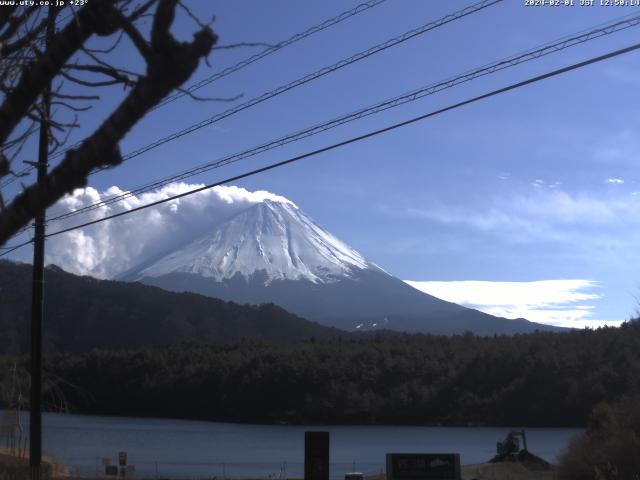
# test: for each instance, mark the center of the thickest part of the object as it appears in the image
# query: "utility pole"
(35, 403)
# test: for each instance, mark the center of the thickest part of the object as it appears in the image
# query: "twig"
(209, 99)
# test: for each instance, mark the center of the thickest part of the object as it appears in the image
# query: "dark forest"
(539, 379)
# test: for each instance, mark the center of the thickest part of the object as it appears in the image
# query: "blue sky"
(536, 185)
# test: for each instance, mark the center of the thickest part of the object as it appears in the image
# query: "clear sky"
(539, 185)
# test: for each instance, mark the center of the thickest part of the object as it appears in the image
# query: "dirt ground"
(504, 471)
(7, 457)
(484, 471)
(496, 471)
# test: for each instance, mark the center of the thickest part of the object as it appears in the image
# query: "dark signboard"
(423, 466)
(316, 455)
(122, 458)
(111, 470)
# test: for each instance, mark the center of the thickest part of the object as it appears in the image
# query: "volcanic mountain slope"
(273, 252)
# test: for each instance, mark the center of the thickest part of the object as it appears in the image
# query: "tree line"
(538, 379)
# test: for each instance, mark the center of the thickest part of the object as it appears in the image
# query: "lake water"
(161, 448)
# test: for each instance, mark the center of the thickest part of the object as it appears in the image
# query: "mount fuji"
(272, 252)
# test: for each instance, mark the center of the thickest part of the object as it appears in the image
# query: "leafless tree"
(76, 73)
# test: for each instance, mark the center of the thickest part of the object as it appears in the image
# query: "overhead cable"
(268, 51)
(308, 78)
(362, 7)
(359, 138)
(414, 95)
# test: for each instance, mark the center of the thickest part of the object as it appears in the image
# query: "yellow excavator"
(512, 445)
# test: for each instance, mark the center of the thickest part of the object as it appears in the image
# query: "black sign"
(316, 455)
(111, 470)
(423, 466)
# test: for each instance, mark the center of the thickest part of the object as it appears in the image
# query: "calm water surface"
(181, 448)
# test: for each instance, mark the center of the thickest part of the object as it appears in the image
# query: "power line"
(302, 81)
(315, 75)
(272, 166)
(16, 247)
(334, 146)
(362, 7)
(306, 79)
(279, 46)
(8, 181)
(258, 56)
(513, 60)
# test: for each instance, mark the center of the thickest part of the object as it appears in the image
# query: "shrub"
(609, 448)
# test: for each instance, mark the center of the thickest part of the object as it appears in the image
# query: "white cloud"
(539, 183)
(588, 323)
(555, 302)
(540, 215)
(615, 181)
(112, 247)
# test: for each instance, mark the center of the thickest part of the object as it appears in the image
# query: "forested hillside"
(540, 379)
(82, 313)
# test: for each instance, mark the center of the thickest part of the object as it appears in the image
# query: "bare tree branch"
(15, 22)
(75, 97)
(114, 73)
(34, 79)
(88, 83)
(20, 139)
(4, 165)
(194, 17)
(105, 64)
(136, 37)
(141, 10)
(71, 107)
(109, 49)
(32, 34)
(169, 65)
(209, 99)
(5, 14)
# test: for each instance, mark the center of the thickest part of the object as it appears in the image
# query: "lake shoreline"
(310, 423)
(11, 465)
(168, 448)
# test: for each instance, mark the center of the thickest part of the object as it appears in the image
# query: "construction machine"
(511, 445)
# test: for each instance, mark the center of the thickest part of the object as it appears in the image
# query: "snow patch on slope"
(274, 237)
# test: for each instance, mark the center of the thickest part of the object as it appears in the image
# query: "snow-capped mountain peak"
(272, 237)
(272, 252)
